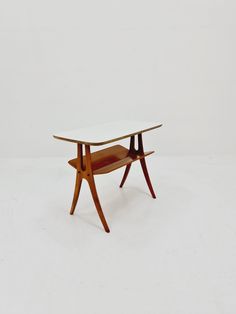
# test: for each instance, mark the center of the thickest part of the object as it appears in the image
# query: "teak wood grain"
(110, 159)
(88, 164)
(138, 152)
(84, 171)
(104, 161)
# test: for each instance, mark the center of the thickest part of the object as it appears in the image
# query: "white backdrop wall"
(65, 64)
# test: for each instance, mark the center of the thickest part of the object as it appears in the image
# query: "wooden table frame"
(88, 164)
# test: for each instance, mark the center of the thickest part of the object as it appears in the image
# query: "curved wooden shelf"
(110, 159)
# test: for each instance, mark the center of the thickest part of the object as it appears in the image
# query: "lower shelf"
(110, 159)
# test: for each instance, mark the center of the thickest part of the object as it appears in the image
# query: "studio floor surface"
(172, 255)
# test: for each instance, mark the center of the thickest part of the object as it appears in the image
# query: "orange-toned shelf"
(110, 159)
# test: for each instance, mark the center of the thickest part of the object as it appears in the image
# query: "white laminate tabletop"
(107, 132)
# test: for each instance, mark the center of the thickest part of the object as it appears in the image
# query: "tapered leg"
(93, 190)
(84, 171)
(89, 177)
(146, 175)
(139, 151)
(127, 169)
(78, 183)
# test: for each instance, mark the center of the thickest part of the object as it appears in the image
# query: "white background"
(66, 64)
(69, 64)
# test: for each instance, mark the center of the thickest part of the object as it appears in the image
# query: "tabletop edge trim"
(108, 141)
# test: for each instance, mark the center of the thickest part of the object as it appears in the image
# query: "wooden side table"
(88, 164)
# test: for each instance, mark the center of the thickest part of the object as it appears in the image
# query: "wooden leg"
(127, 169)
(78, 183)
(94, 193)
(146, 175)
(139, 151)
(90, 178)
